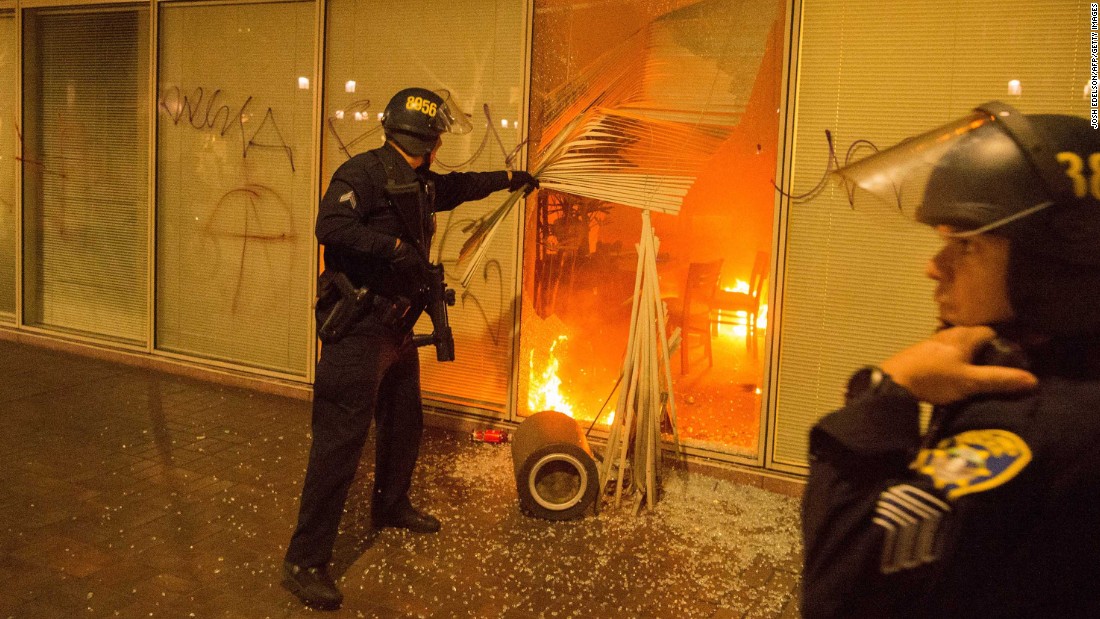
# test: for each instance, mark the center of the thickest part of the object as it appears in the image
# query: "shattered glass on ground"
(132, 493)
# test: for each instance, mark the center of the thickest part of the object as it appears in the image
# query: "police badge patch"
(973, 461)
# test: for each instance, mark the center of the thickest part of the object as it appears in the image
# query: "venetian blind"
(85, 171)
(235, 249)
(854, 290)
(476, 49)
(9, 167)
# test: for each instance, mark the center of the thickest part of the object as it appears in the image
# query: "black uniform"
(373, 371)
(995, 513)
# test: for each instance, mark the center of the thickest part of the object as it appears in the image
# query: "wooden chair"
(692, 311)
(725, 304)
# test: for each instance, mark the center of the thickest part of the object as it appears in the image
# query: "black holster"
(348, 303)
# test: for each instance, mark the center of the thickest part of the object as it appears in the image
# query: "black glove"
(521, 179)
(408, 265)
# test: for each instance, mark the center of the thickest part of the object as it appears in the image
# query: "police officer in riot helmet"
(376, 222)
(992, 510)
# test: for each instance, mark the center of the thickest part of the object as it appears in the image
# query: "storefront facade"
(161, 162)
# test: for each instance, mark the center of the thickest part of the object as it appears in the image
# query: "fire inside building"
(189, 241)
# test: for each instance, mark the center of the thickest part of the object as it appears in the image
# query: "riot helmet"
(1034, 179)
(415, 118)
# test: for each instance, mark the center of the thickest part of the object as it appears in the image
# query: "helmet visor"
(449, 117)
(969, 173)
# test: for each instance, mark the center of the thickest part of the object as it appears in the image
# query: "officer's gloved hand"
(521, 179)
(408, 265)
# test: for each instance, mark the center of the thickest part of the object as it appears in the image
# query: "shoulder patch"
(349, 199)
(973, 461)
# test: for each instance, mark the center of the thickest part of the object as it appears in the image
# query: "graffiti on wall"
(190, 108)
(244, 224)
(238, 219)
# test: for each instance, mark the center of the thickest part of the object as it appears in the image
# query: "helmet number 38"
(421, 104)
(1075, 170)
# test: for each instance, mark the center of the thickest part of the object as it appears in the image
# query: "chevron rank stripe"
(912, 521)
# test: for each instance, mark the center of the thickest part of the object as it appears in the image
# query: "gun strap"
(391, 181)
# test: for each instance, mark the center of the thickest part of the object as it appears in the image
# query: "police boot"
(313, 586)
(405, 516)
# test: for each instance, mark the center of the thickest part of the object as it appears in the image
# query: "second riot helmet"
(1034, 179)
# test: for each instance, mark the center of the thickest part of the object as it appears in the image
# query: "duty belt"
(350, 304)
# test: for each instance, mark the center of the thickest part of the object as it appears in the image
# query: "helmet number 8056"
(422, 105)
(1075, 169)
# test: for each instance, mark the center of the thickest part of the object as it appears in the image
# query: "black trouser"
(371, 372)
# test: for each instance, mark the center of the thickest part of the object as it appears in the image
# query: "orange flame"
(741, 328)
(544, 389)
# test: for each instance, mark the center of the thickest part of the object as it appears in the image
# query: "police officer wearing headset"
(376, 224)
(993, 511)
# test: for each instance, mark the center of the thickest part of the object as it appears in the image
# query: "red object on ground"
(490, 436)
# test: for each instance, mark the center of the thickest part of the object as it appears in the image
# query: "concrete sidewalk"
(135, 493)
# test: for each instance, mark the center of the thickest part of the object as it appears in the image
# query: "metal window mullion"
(151, 185)
(82, 338)
(511, 410)
(787, 120)
(220, 2)
(19, 210)
(229, 365)
(320, 8)
(70, 7)
(19, 168)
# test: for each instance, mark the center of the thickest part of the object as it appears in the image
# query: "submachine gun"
(439, 296)
(349, 303)
(411, 205)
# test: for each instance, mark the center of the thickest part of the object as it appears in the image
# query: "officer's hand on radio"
(518, 179)
(939, 370)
